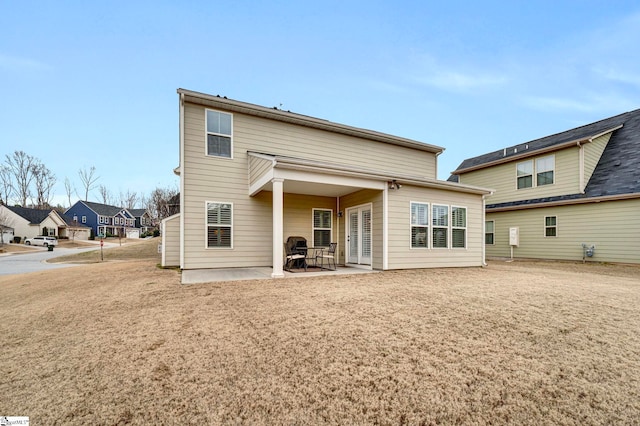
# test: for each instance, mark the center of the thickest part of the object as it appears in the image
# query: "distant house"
(107, 220)
(143, 220)
(27, 222)
(568, 196)
(252, 176)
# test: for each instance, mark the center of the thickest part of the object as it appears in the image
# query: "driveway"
(20, 263)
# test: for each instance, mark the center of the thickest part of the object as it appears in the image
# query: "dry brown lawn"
(514, 343)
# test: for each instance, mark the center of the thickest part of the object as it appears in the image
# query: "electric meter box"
(514, 236)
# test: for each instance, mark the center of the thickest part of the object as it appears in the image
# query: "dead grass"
(517, 343)
(130, 249)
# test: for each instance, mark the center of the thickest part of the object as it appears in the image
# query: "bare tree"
(105, 194)
(159, 202)
(129, 199)
(6, 184)
(88, 179)
(69, 189)
(21, 169)
(44, 180)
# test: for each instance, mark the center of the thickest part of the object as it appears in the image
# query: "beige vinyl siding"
(258, 167)
(21, 226)
(207, 178)
(298, 215)
(171, 241)
(612, 226)
(49, 223)
(360, 198)
(503, 179)
(272, 137)
(592, 153)
(402, 256)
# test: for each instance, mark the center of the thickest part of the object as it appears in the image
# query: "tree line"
(25, 180)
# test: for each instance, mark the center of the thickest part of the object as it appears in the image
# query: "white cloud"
(618, 75)
(431, 72)
(15, 63)
(460, 82)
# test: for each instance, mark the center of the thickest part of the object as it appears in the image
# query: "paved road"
(31, 262)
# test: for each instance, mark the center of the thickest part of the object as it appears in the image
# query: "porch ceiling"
(312, 188)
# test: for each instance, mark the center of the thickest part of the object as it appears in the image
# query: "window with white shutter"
(219, 224)
(458, 227)
(322, 227)
(440, 226)
(419, 225)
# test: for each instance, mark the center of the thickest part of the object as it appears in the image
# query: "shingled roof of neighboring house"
(137, 212)
(103, 209)
(34, 216)
(617, 172)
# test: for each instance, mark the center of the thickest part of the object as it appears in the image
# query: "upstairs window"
(219, 134)
(219, 224)
(322, 220)
(84, 219)
(458, 227)
(525, 174)
(544, 172)
(419, 225)
(550, 226)
(545, 167)
(440, 229)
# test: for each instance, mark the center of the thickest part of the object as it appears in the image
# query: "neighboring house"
(252, 176)
(143, 221)
(28, 223)
(565, 194)
(103, 219)
(74, 230)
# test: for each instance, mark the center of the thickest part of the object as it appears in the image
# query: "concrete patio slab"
(196, 276)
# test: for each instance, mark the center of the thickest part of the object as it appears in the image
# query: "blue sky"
(94, 83)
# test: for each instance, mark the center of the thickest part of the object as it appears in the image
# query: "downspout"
(483, 230)
(181, 166)
(437, 155)
(581, 171)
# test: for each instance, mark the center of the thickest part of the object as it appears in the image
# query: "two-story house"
(569, 196)
(252, 176)
(104, 219)
(143, 221)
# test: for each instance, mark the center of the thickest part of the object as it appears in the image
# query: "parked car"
(41, 240)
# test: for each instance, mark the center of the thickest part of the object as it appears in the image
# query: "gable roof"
(137, 212)
(302, 120)
(69, 221)
(617, 172)
(34, 216)
(102, 209)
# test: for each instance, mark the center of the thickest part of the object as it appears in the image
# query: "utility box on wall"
(514, 236)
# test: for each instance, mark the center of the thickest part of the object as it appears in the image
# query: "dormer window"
(544, 172)
(545, 167)
(525, 174)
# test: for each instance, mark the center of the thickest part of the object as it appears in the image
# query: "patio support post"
(278, 228)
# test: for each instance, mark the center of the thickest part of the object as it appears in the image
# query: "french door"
(358, 236)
